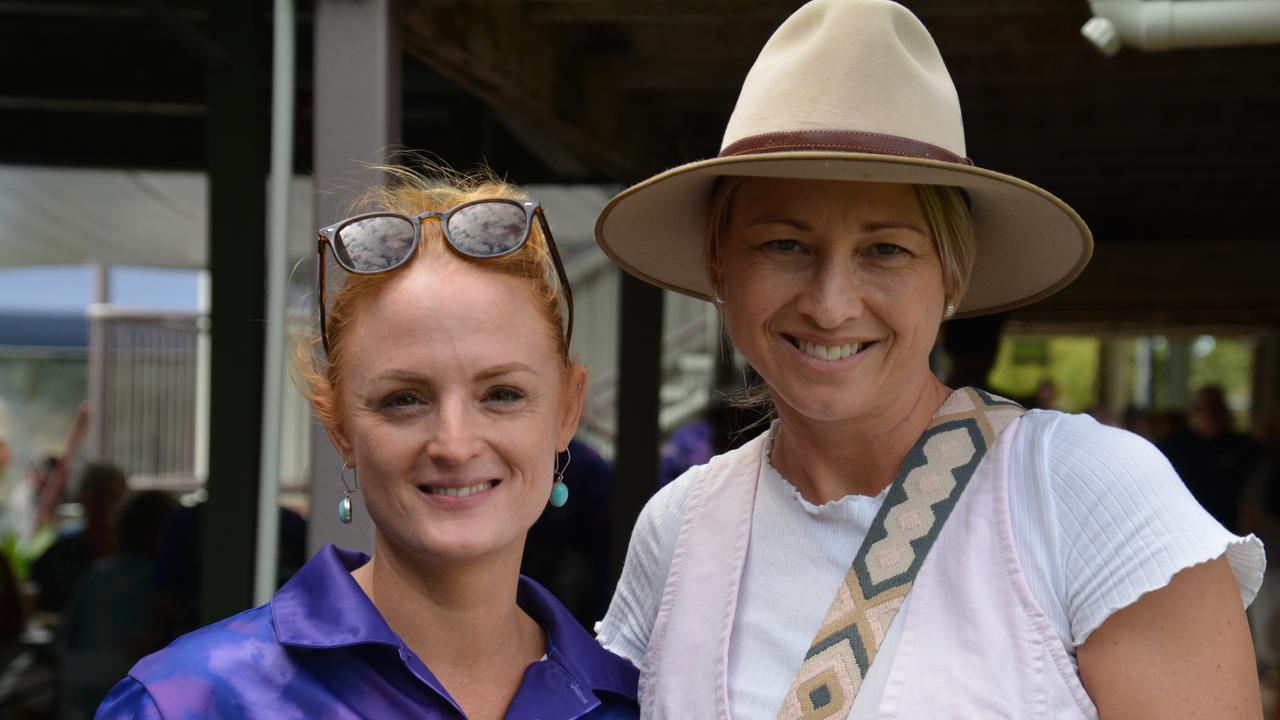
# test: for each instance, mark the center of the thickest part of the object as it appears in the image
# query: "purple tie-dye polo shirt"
(320, 649)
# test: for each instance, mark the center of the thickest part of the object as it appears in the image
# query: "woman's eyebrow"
(503, 369)
(867, 227)
(871, 227)
(791, 222)
(401, 376)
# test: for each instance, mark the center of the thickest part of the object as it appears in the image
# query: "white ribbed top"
(1099, 519)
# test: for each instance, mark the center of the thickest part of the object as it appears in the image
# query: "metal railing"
(144, 380)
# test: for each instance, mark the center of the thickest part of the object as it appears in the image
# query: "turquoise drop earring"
(344, 505)
(560, 491)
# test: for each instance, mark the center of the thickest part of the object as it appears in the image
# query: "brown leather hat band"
(840, 141)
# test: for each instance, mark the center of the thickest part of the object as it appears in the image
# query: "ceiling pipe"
(1155, 25)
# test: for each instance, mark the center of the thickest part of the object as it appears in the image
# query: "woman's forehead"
(454, 306)
(761, 198)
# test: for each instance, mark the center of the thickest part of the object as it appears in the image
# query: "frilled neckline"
(850, 503)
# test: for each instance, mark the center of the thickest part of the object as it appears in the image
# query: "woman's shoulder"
(197, 670)
(1100, 518)
(210, 647)
(1076, 449)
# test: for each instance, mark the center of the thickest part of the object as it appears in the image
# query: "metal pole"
(357, 118)
(639, 381)
(200, 449)
(237, 156)
(98, 360)
(264, 581)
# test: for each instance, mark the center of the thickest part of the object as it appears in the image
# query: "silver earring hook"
(355, 478)
(568, 458)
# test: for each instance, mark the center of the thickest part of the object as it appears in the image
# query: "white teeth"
(460, 492)
(829, 352)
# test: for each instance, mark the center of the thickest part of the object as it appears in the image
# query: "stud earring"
(950, 309)
(560, 491)
(715, 294)
(344, 505)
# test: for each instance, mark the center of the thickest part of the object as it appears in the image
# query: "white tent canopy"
(70, 216)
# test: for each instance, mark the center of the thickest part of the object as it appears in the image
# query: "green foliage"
(1226, 361)
(1071, 362)
(21, 554)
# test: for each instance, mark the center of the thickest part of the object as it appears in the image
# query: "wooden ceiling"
(1173, 158)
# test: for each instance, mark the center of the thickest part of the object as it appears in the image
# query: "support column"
(1266, 382)
(237, 127)
(1113, 367)
(639, 381)
(1143, 392)
(98, 361)
(1178, 378)
(357, 118)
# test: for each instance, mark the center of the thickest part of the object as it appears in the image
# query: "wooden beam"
(1169, 284)
(498, 53)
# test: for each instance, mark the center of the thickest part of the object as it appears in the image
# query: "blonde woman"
(892, 547)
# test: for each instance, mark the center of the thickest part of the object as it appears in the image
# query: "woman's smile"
(830, 355)
(451, 495)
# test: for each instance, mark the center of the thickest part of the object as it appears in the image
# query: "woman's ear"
(338, 436)
(575, 401)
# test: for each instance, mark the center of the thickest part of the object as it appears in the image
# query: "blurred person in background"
(568, 549)
(1260, 514)
(443, 376)
(973, 344)
(102, 487)
(21, 510)
(108, 624)
(1214, 460)
(176, 581)
(27, 686)
(1137, 420)
(1045, 396)
(693, 443)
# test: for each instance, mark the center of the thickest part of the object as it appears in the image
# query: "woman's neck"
(827, 460)
(461, 619)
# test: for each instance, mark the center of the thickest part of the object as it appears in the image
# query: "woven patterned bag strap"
(934, 473)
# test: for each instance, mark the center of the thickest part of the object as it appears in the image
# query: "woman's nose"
(832, 295)
(454, 439)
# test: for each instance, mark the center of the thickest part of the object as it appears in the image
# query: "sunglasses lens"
(375, 244)
(488, 229)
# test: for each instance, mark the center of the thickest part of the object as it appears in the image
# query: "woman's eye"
(400, 401)
(504, 396)
(886, 250)
(784, 246)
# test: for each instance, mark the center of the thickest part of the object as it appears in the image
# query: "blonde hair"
(410, 192)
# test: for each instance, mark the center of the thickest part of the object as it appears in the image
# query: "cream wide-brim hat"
(851, 90)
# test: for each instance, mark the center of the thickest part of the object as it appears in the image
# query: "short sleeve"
(626, 626)
(128, 700)
(1118, 521)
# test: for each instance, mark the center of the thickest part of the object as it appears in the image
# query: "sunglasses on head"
(486, 229)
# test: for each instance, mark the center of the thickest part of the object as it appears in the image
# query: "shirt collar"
(321, 606)
(569, 645)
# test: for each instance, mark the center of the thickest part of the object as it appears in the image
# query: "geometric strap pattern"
(921, 498)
